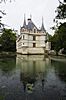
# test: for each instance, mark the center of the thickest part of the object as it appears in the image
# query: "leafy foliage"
(7, 64)
(58, 40)
(61, 11)
(8, 40)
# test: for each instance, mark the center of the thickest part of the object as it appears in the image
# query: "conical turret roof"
(42, 27)
(24, 24)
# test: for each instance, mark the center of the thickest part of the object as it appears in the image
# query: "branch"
(5, 1)
(60, 2)
(3, 12)
(0, 17)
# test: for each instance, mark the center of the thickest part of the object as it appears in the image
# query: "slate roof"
(24, 24)
(30, 26)
(42, 28)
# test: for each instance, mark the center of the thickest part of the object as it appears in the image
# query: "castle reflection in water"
(33, 70)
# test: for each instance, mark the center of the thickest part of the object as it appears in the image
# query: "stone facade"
(31, 40)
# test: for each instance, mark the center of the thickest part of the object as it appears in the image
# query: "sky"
(36, 8)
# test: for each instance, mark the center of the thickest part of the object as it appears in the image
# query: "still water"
(33, 77)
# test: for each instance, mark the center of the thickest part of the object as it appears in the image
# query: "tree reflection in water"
(60, 69)
(7, 65)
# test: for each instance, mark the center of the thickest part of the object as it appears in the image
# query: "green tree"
(62, 35)
(58, 41)
(8, 40)
(61, 10)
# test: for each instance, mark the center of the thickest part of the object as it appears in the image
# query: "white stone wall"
(25, 44)
(31, 50)
(25, 36)
(24, 40)
(36, 51)
(40, 40)
(30, 40)
(48, 46)
(30, 37)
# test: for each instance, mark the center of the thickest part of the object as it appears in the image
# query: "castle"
(31, 39)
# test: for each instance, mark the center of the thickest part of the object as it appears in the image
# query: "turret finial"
(24, 24)
(30, 16)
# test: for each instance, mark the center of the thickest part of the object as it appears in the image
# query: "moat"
(33, 77)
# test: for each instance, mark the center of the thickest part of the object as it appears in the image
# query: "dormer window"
(23, 29)
(34, 30)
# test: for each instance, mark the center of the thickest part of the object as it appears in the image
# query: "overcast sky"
(37, 8)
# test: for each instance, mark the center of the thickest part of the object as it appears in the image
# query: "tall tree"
(58, 40)
(8, 40)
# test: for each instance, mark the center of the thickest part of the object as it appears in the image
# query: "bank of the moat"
(7, 54)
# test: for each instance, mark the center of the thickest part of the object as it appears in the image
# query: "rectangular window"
(23, 43)
(23, 37)
(34, 30)
(34, 38)
(34, 44)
